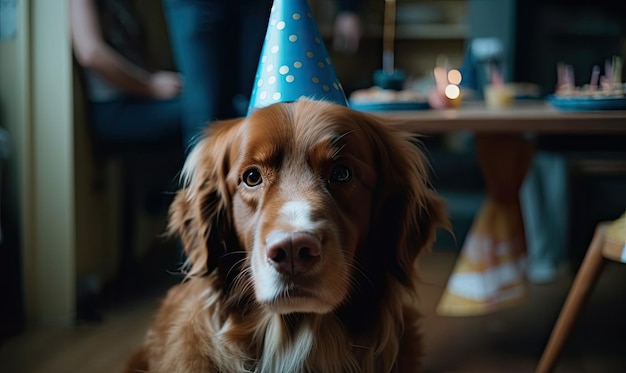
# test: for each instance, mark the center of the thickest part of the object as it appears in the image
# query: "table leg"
(490, 271)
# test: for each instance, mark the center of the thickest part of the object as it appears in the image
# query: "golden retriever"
(301, 224)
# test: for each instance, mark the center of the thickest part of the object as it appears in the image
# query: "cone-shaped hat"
(294, 61)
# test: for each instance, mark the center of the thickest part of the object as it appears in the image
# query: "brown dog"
(302, 224)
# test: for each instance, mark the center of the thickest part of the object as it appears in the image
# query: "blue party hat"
(294, 61)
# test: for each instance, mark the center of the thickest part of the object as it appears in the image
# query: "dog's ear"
(409, 210)
(201, 212)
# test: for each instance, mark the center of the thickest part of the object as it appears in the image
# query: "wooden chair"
(609, 242)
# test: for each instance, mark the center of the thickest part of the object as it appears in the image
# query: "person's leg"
(532, 198)
(544, 198)
(557, 204)
(254, 17)
(198, 35)
(136, 121)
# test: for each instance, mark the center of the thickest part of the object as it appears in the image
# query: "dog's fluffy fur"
(302, 224)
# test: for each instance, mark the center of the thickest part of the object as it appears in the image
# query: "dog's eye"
(252, 177)
(340, 174)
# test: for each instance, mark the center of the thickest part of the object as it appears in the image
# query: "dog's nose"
(293, 252)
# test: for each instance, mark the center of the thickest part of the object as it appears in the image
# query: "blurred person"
(217, 45)
(131, 107)
(129, 102)
(544, 197)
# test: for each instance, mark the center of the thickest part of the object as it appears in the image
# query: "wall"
(14, 117)
(35, 93)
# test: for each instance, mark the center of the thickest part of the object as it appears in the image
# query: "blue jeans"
(216, 46)
(544, 197)
(136, 122)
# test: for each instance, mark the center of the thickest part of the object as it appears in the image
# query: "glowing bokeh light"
(452, 91)
(454, 76)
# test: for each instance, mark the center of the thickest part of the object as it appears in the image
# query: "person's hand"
(165, 85)
(347, 32)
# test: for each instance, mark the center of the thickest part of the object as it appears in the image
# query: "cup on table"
(498, 96)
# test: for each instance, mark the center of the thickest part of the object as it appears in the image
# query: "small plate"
(587, 103)
(389, 106)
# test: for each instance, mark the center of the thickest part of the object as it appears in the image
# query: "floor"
(507, 341)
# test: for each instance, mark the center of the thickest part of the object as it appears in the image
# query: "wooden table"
(523, 117)
(490, 272)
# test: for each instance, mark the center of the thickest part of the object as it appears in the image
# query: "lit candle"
(446, 93)
(452, 90)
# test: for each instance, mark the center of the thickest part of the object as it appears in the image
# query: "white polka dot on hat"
(294, 61)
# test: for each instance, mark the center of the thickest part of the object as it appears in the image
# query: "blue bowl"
(587, 103)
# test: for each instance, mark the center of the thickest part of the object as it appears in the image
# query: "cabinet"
(425, 29)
